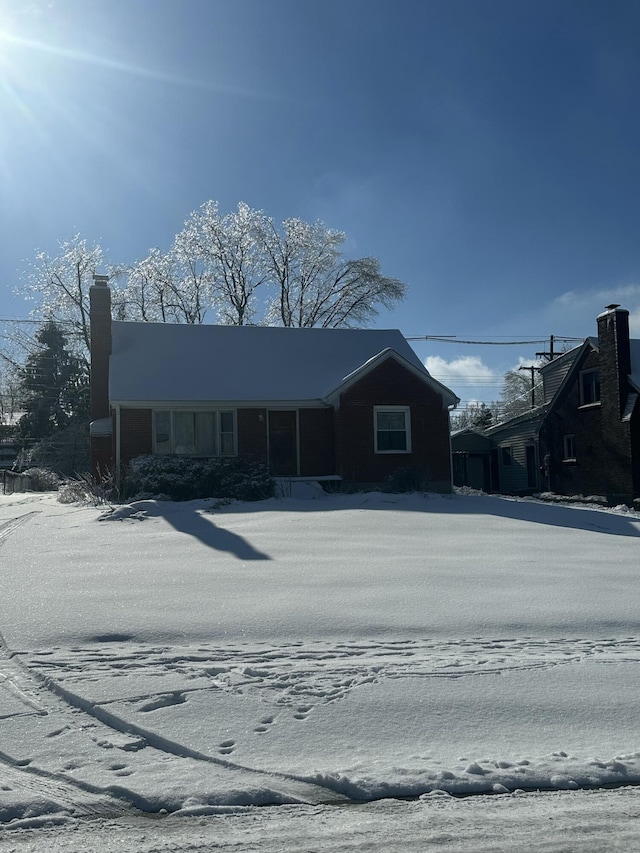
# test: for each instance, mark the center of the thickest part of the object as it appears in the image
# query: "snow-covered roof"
(191, 363)
(103, 426)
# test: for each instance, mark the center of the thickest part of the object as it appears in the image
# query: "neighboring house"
(471, 459)
(350, 404)
(8, 452)
(585, 437)
(9, 447)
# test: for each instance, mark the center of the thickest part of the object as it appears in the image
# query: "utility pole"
(550, 355)
(533, 369)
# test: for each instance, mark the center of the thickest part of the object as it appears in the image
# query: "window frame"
(568, 448)
(217, 413)
(592, 371)
(506, 455)
(406, 412)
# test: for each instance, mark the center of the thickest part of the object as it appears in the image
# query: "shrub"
(184, 479)
(85, 490)
(42, 480)
(407, 480)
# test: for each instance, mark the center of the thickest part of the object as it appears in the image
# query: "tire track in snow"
(288, 787)
(15, 671)
(73, 797)
(8, 527)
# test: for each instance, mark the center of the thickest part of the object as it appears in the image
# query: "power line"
(453, 339)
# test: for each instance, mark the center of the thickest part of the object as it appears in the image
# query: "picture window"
(200, 434)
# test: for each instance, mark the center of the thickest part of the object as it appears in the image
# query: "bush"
(66, 451)
(407, 480)
(42, 480)
(85, 490)
(184, 479)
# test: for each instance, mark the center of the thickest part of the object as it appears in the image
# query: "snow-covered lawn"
(194, 656)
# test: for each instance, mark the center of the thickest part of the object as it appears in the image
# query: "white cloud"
(469, 367)
(468, 376)
(582, 307)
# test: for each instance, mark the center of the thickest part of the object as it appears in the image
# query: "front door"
(283, 443)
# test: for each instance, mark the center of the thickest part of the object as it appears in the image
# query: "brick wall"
(392, 384)
(603, 460)
(317, 450)
(252, 434)
(101, 456)
(136, 438)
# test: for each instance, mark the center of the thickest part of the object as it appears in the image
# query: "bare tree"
(518, 396)
(226, 251)
(60, 285)
(315, 285)
(165, 288)
(239, 264)
(226, 261)
(476, 415)
(9, 389)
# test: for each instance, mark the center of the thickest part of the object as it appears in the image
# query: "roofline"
(563, 356)
(532, 414)
(219, 404)
(421, 373)
(588, 343)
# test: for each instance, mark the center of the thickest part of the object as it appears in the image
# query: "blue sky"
(486, 151)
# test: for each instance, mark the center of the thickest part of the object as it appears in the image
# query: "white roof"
(157, 362)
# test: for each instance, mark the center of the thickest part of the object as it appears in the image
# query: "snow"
(174, 362)
(203, 659)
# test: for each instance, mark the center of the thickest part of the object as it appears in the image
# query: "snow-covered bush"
(42, 480)
(85, 490)
(184, 479)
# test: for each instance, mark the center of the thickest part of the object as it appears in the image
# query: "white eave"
(449, 399)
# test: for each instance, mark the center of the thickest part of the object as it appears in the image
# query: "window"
(195, 433)
(507, 456)
(392, 429)
(589, 387)
(569, 450)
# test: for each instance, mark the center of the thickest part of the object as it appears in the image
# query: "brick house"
(585, 437)
(350, 404)
(590, 438)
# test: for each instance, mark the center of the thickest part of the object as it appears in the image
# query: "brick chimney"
(615, 367)
(100, 320)
(101, 431)
(615, 356)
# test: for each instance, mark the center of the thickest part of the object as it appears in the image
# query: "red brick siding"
(388, 385)
(136, 438)
(252, 433)
(101, 456)
(317, 450)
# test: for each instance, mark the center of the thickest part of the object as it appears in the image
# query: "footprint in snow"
(226, 747)
(303, 712)
(265, 722)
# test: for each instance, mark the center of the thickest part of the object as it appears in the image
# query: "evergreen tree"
(54, 387)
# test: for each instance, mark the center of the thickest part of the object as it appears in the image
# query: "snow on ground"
(316, 650)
